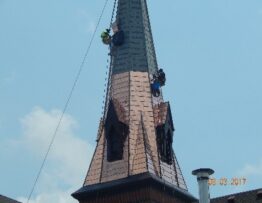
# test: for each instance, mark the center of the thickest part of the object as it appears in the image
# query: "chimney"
(202, 179)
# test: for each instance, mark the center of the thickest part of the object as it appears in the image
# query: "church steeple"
(135, 136)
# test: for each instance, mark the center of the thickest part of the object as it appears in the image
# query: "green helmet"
(104, 34)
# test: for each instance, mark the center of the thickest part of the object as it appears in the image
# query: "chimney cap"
(209, 171)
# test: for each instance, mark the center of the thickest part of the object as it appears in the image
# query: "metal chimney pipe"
(202, 179)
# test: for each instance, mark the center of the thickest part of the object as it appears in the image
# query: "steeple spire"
(138, 52)
(135, 137)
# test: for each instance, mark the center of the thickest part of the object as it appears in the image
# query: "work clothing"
(118, 38)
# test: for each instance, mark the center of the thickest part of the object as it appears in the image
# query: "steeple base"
(142, 188)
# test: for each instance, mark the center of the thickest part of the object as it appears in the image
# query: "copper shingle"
(133, 102)
(160, 113)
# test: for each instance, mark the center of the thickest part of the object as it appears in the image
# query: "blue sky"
(212, 54)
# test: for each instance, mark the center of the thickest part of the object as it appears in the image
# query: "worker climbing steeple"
(157, 81)
(106, 38)
(134, 160)
(117, 39)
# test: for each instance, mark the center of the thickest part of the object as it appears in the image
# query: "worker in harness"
(106, 37)
(117, 39)
(155, 86)
(158, 80)
(118, 35)
(161, 77)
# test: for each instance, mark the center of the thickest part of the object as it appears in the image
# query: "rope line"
(113, 13)
(67, 102)
(109, 70)
(105, 87)
(107, 90)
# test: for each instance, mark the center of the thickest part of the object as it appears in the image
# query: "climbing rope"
(105, 87)
(113, 14)
(67, 102)
(109, 71)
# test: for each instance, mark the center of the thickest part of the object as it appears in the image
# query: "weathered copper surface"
(132, 98)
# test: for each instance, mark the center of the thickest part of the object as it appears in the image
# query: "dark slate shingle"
(4, 199)
(243, 197)
(138, 52)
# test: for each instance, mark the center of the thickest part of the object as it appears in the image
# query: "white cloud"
(251, 170)
(68, 159)
(58, 196)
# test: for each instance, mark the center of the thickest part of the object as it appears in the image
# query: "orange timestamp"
(227, 181)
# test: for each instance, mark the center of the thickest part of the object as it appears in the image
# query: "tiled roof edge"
(236, 194)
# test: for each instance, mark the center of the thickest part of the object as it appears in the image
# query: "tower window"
(116, 133)
(165, 140)
(169, 141)
(115, 145)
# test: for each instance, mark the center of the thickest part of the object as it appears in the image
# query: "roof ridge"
(238, 193)
(8, 199)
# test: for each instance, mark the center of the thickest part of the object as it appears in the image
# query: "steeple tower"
(134, 160)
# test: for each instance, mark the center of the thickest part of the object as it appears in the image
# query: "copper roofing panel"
(160, 113)
(133, 104)
(95, 169)
(121, 112)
